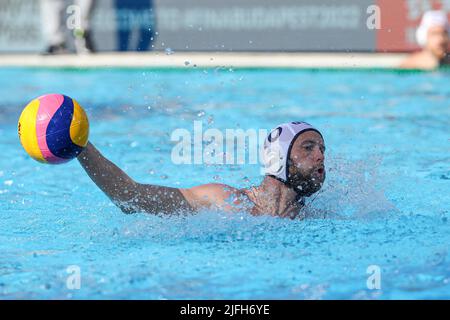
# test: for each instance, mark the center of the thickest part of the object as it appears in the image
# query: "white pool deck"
(207, 59)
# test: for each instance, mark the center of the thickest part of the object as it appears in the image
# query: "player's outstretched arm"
(127, 194)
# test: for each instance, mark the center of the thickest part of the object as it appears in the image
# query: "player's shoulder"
(418, 60)
(212, 190)
(411, 61)
(210, 194)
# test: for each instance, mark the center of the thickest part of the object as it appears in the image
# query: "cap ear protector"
(277, 148)
(273, 157)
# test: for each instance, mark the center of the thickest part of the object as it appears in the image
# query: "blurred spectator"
(127, 23)
(432, 35)
(54, 26)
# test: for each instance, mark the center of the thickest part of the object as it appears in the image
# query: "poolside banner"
(232, 25)
(19, 26)
(264, 25)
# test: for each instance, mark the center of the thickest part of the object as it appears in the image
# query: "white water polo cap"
(430, 19)
(277, 148)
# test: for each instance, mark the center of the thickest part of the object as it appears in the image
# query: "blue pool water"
(385, 202)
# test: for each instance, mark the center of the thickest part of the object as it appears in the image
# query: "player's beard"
(306, 184)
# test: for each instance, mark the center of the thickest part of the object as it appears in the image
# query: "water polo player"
(433, 37)
(294, 169)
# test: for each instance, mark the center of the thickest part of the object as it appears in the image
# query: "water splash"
(352, 189)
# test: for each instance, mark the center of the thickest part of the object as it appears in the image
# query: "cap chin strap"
(298, 197)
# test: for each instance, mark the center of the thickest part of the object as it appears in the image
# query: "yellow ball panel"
(27, 131)
(79, 129)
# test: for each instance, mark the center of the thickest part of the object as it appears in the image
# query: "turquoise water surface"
(384, 205)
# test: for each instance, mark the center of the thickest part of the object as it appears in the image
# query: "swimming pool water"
(385, 202)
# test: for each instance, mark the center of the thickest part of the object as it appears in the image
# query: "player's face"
(306, 168)
(438, 41)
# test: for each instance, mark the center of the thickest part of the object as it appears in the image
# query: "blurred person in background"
(433, 36)
(135, 15)
(54, 26)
